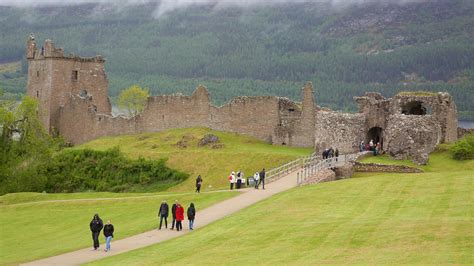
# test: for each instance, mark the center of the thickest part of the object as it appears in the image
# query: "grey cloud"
(165, 6)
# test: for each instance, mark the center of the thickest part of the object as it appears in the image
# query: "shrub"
(463, 149)
(84, 170)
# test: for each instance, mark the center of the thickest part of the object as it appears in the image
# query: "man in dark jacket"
(262, 179)
(191, 215)
(96, 226)
(173, 213)
(163, 213)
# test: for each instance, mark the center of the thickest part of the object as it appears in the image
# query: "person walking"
(163, 213)
(336, 153)
(198, 184)
(191, 215)
(239, 180)
(109, 234)
(256, 177)
(173, 213)
(96, 226)
(262, 179)
(179, 217)
(232, 180)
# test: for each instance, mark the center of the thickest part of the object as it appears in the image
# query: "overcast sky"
(165, 6)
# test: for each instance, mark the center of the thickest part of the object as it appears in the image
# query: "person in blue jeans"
(191, 215)
(109, 234)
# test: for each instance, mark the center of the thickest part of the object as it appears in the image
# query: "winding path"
(204, 217)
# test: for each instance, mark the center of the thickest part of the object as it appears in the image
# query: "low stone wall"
(375, 167)
(464, 131)
(325, 175)
(344, 171)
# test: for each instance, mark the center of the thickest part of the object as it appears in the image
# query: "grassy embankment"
(35, 225)
(58, 223)
(214, 165)
(372, 218)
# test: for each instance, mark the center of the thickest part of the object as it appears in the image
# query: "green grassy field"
(372, 218)
(214, 165)
(34, 225)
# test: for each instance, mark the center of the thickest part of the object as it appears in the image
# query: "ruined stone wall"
(254, 116)
(339, 130)
(441, 106)
(79, 122)
(176, 111)
(412, 136)
(290, 113)
(464, 131)
(296, 125)
(304, 129)
(376, 109)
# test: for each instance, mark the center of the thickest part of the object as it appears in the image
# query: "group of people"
(238, 179)
(177, 213)
(330, 153)
(376, 149)
(96, 226)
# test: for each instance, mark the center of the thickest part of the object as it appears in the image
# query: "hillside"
(270, 50)
(372, 218)
(180, 147)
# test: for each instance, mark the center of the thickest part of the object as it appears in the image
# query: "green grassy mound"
(234, 152)
(373, 218)
(34, 225)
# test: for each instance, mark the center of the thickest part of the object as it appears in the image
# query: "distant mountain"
(269, 50)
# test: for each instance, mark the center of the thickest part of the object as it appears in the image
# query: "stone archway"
(375, 134)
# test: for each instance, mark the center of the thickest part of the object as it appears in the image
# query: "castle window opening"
(375, 134)
(74, 75)
(291, 109)
(415, 108)
(37, 74)
(37, 94)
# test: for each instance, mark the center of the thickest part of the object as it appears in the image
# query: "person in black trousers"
(96, 226)
(163, 213)
(198, 184)
(173, 213)
(262, 179)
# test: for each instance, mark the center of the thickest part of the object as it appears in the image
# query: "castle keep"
(73, 98)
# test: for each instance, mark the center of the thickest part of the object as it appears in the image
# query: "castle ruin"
(73, 101)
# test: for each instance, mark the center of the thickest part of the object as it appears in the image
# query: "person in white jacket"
(256, 177)
(232, 180)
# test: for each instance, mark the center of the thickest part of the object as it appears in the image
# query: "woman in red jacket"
(179, 217)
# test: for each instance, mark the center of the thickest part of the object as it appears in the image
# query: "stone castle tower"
(54, 77)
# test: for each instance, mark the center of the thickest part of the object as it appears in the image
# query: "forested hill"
(264, 50)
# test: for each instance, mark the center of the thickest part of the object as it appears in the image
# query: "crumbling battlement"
(73, 101)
